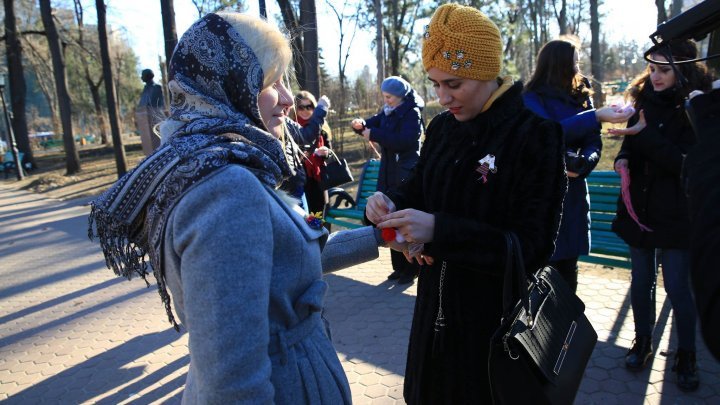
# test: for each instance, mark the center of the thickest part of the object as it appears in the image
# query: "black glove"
(359, 131)
(576, 163)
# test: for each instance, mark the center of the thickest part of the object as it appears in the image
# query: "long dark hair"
(696, 74)
(555, 67)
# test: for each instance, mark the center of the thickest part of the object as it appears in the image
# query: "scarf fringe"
(125, 257)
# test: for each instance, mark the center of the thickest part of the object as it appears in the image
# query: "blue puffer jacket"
(398, 135)
(582, 136)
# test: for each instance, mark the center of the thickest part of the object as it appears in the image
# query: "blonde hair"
(269, 45)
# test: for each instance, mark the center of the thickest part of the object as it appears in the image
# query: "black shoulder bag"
(335, 172)
(544, 342)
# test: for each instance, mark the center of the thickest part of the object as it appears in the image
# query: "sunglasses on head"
(306, 107)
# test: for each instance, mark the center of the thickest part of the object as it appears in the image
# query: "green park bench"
(606, 247)
(52, 143)
(346, 211)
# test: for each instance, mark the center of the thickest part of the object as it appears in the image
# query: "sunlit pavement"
(71, 332)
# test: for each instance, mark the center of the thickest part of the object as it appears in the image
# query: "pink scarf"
(625, 191)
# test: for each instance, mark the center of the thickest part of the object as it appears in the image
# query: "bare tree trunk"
(72, 163)
(595, 57)
(661, 14)
(38, 63)
(16, 83)
(308, 20)
(292, 24)
(99, 113)
(118, 84)
(120, 161)
(534, 17)
(379, 48)
(343, 54)
(263, 9)
(167, 10)
(164, 79)
(400, 20)
(561, 16)
(391, 43)
(94, 87)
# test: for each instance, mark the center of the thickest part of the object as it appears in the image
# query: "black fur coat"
(473, 206)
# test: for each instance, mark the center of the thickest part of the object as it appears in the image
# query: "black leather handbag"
(335, 172)
(540, 351)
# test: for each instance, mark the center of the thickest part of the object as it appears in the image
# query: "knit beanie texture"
(396, 85)
(462, 41)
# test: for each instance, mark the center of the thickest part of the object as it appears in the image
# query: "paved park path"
(71, 332)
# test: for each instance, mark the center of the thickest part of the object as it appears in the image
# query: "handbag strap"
(331, 153)
(515, 279)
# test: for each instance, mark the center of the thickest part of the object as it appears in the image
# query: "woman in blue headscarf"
(397, 129)
(242, 260)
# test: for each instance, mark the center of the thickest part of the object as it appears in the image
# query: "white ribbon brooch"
(486, 165)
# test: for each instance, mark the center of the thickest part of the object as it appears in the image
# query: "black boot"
(407, 277)
(395, 275)
(639, 353)
(686, 369)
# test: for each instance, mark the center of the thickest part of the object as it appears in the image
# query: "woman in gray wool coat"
(242, 260)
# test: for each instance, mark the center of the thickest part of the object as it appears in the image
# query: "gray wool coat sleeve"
(348, 248)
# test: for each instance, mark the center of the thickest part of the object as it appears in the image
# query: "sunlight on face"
(304, 109)
(464, 98)
(273, 103)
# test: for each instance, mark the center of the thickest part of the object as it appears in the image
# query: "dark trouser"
(568, 269)
(676, 276)
(400, 263)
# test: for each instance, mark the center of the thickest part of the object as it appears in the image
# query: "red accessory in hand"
(388, 234)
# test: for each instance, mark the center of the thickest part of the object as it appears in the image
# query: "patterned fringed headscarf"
(215, 82)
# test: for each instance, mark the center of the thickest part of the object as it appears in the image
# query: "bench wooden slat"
(602, 207)
(604, 199)
(601, 216)
(606, 247)
(352, 217)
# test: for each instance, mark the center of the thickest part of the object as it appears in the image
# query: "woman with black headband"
(652, 215)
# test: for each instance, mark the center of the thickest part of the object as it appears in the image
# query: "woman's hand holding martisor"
(378, 205)
(414, 225)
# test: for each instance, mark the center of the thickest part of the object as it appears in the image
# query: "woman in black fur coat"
(488, 166)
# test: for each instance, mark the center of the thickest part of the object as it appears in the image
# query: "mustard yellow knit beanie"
(464, 42)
